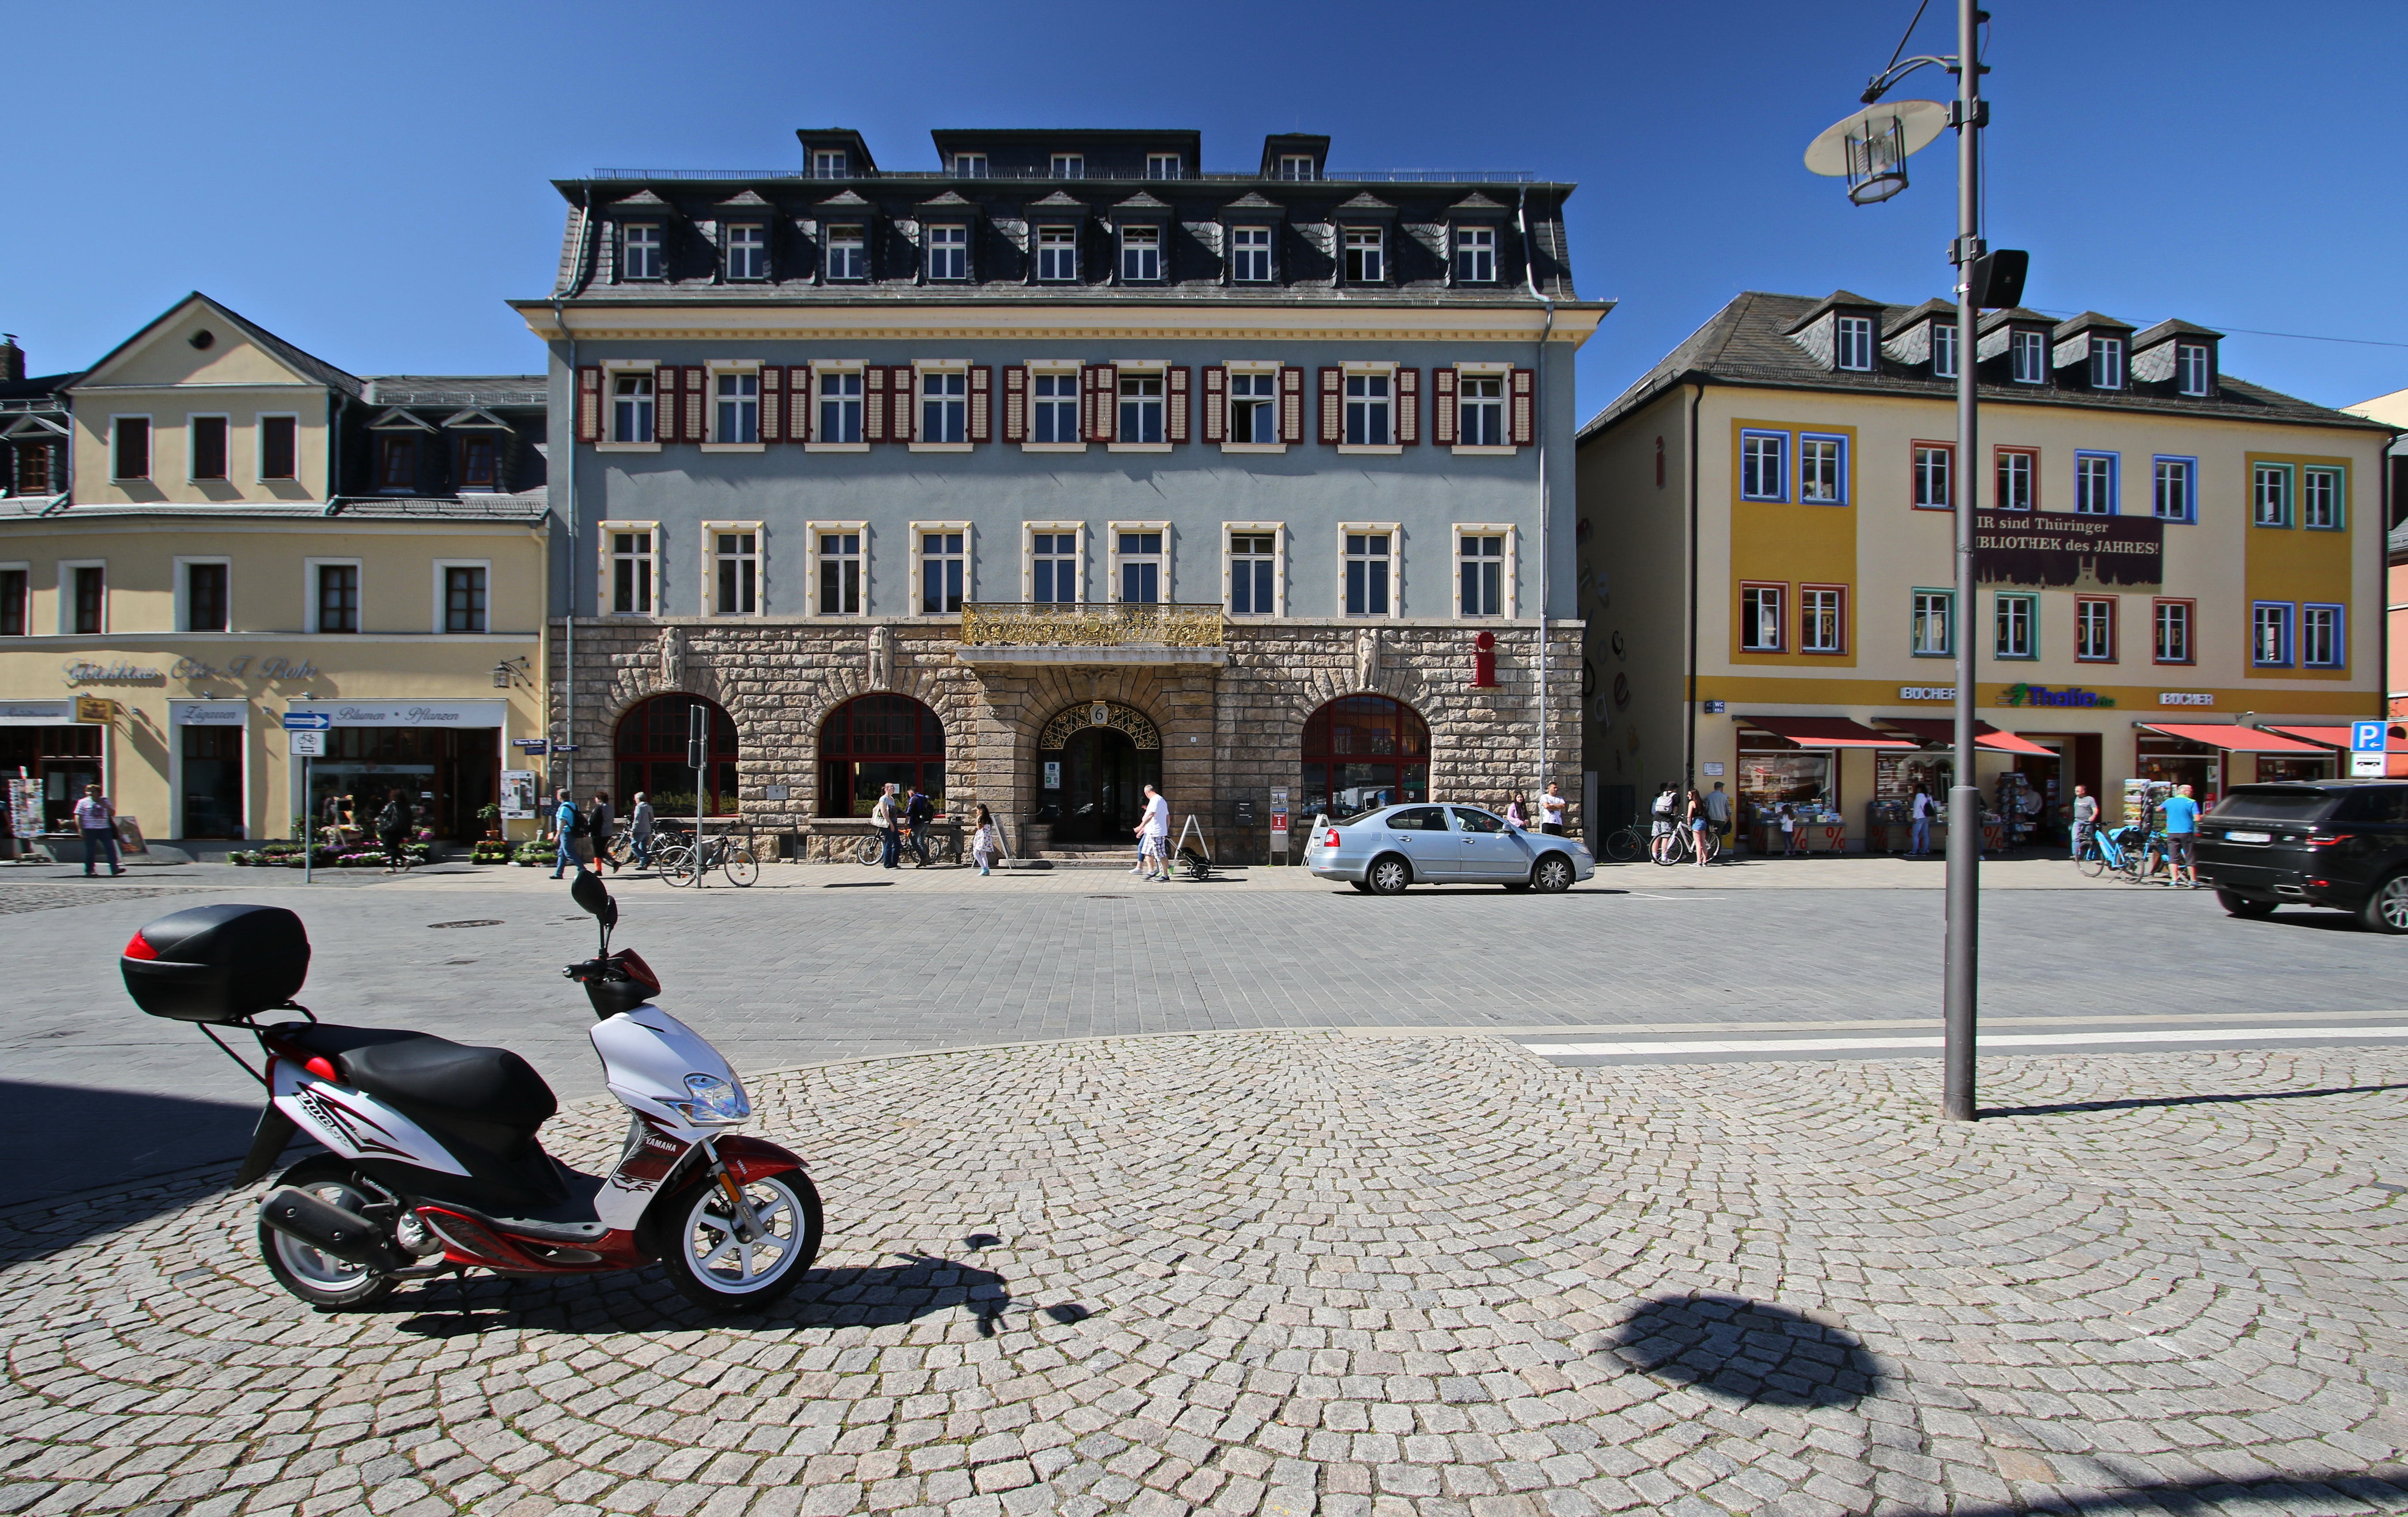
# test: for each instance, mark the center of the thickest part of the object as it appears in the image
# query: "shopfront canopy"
(1931, 729)
(2235, 738)
(2395, 738)
(1823, 732)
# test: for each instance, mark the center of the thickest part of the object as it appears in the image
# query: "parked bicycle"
(1627, 842)
(1679, 846)
(685, 864)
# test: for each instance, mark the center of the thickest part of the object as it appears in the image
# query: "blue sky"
(371, 181)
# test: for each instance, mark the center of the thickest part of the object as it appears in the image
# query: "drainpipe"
(1539, 430)
(565, 439)
(1689, 698)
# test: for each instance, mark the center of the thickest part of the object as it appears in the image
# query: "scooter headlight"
(715, 1100)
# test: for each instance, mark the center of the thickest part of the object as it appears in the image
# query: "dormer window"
(970, 166)
(1475, 255)
(1057, 252)
(2191, 368)
(1069, 165)
(2030, 351)
(1944, 349)
(848, 253)
(1250, 254)
(747, 252)
(948, 252)
(1161, 165)
(640, 252)
(829, 164)
(1295, 166)
(1366, 262)
(1852, 346)
(2106, 362)
(1140, 254)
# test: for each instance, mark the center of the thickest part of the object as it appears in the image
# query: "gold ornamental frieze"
(1042, 625)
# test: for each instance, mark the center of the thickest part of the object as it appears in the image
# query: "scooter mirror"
(591, 898)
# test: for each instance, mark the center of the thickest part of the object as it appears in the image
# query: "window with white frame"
(463, 596)
(1057, 252)
(1140, 401)
(970, 166)
(1822, 470)
(631, 405)
(1370, 410)
(1367, 573)
(207, 594)
(2094, 629)
(1250, 254)
(2106, 362)
(1764, 466)
(1822, 619)
(1365, 249)
(1069, 165)
(2320, 636)
(948, 252)
(944, 571)
(841, 586)
(2320, 499)
(2271, 494)
(1944, 349)
(829, 164)
(2173, 495)
(748, 250)
(2015, 631)
(1141, 254)
(2094, 484)
(334, 597)
(1934, 632)
(2018, 476)
(944, 406)
(737, 411)
(1935, 469)
(840, 405)
(1053, 403)
(1253, 405)
(1479, 560)
(735, 572)
(1254, 572)
(848, 253)
(1138, 556)
(83, 597)
(1054, 566)
(633, 569)
(639, 246)
(1761, 611)
(2270, 640)
(2191, 368)
(2172, 635)
(2029, 351)
(1480, 410)
(1853, 343)
(1161, 165)
(1475, 255)
(1295, 166)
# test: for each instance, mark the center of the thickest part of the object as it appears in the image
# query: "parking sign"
(2366, 746)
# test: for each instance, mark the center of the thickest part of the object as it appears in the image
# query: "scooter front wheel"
(320, 1278)
(713, 1264)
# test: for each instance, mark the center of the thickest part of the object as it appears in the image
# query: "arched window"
(651, 751)
(873, 740)
(1363, 752)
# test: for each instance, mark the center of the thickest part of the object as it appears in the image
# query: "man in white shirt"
(1918, 812)
(97, 821)
(1551, 811)
(1154, 837)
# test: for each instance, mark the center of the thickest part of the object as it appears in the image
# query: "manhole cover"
(473, 922)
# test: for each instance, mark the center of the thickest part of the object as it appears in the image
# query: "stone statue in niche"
(1366, 657)
(881, 658)
(673, 656)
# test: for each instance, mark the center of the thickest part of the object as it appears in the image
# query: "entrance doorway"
(212, 780)
(1093, 763)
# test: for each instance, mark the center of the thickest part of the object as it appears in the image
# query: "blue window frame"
(2270, 633)
(1763, 465)
(2324, 636)
(2174, 488)
(2095, 483)
(1822, 469)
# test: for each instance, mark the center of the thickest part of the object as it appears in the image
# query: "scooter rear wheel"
(712, 1266)
(321, 1280)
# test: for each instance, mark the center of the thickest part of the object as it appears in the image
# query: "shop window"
(650, 753)
(2094, 629)
(212, 782)
(872, 741)
(1760, 617)
(1362, 752)
(2172, 635)
(1770, 779)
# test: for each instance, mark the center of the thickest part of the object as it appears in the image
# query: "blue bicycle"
(2130, 849)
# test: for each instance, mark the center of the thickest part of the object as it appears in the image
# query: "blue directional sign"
(307, 720)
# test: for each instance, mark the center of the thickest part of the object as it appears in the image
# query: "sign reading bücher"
(2054, 548)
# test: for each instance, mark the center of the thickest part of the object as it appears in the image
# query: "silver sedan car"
(1383, 851)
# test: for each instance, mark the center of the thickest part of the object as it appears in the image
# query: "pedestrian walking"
(2085, 817)
(983, 843)
(919, 814)
(392, 828)
(2182, 832)
(886, 815)
(1918, 812)
(1699, 824)
(598, 821)
(1154, 837)
(639, 829)
(96, 819)
(1552, 809)
(565, 821)
(1718, 810)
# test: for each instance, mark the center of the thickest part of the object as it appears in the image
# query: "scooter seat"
(434, 1077)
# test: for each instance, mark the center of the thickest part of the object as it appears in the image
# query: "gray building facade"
(1062, 467)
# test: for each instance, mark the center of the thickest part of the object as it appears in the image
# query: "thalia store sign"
(2042, 696)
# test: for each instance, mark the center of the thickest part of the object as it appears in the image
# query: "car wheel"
(1553, 874)
(1389, 875)
(2243, 905)
(2386, 909)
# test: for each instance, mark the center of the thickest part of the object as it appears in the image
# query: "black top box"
(217, 964)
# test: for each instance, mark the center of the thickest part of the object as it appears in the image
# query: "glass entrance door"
(212, 758)
(1101, 776)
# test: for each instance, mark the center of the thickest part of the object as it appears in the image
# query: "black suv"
(2322, 842)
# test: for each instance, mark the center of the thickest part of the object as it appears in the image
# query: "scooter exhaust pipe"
(329, 1229)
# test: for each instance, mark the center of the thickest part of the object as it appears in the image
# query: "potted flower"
(491, 815)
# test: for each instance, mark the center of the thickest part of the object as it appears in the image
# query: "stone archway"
(1093, 760)
(648, 748)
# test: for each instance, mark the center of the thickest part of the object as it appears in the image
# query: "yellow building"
(2174, 564)
(204, 571)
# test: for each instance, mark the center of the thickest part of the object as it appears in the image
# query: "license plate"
(2249, 837)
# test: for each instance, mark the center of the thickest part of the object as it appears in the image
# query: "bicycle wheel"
(739, 866)
(1665, 849)
(1623, 846)
(2091, 862)
(869, 851)
(676, 864)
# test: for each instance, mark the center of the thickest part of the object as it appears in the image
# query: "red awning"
(2395, 740)
(2234, 738)
(1933, 730)
(1822, 732)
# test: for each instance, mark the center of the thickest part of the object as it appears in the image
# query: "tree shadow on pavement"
(1751, 1352)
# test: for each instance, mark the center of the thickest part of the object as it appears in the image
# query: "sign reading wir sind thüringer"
(2050, 548)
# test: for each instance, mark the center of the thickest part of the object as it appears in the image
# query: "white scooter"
(432, 1164)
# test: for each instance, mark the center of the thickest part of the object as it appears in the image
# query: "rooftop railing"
(1055, 625)
(1335, 176)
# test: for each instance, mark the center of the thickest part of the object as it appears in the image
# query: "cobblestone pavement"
(1288, 1273)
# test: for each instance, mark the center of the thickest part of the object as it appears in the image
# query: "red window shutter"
(1408, 406)
(589, 404)
(1291, 404)
(1333, 405)
(873, 402)
(982, 402)
(697, 399)
(1442, 407)
(799, 411)
(1216, 404)
(1106, 423)
(1015, 403)
(1523, 423)
(773, 402)
(902, 423)
(1174, 402)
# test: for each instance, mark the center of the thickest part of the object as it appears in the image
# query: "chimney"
(12, 358)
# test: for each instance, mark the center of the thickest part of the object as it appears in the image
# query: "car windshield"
(2269, 803)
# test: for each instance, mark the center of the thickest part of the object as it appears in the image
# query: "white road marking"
(1853, 1045)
